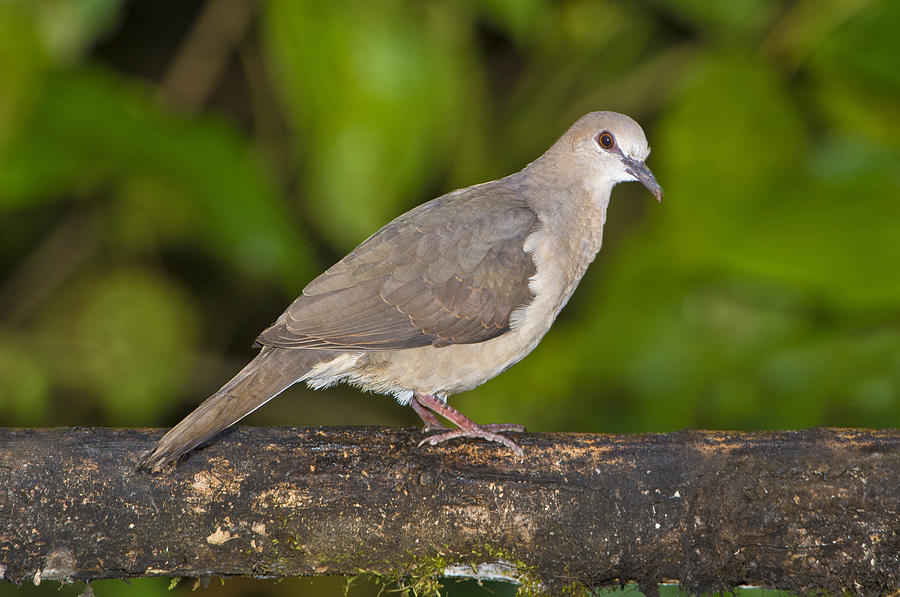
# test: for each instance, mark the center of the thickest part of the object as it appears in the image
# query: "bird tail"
(270, 373)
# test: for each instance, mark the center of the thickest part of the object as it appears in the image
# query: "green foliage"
(24, 384)
(91, 130)
(761, 294)
(370, 115)
(133, 335)
(144, 241)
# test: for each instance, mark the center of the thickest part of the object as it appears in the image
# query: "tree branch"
(814, 509)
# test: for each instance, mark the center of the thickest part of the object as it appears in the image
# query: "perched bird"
(444, 297)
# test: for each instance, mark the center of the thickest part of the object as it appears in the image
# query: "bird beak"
(642, 173)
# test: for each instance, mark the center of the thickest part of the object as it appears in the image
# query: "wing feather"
(448, 272)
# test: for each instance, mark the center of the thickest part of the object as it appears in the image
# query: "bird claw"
(487, 432)
(424, 404)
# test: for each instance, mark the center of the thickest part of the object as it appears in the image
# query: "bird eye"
(606, 140)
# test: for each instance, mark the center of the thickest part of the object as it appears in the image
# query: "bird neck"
(556, 174)
(554, 191)
(570, 209)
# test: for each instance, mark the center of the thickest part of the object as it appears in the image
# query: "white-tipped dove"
(444, 297)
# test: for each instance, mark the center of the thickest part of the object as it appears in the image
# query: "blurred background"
(173, 172)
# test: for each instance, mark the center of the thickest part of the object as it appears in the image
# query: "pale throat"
(598, 189)
(584, 231)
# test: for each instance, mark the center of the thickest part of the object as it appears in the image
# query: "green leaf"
(24, 59)
(69, 28)
(91, 130)
(867, 46)
(856, 73)
(724, 20)
(24, 384)
(373, 107)
(734, 158)
(730, 137)
(130, 338)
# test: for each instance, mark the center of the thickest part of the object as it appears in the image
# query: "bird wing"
(450, 271)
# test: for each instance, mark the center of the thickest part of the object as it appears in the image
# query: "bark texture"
(813, 509)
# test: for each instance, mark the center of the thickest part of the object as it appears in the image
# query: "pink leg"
(467, 427)
(430, 421)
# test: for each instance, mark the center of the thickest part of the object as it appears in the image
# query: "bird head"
(608, 148)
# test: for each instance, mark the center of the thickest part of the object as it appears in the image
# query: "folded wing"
(448, 272)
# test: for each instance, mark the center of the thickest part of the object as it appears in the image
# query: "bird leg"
(466, 427)
(430, 421)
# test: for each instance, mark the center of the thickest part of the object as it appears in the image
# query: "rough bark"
(814, 509)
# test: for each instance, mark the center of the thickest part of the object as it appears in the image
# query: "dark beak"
(641, 172)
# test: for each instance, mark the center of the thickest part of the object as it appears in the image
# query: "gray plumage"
(422, 279)
(445, 296)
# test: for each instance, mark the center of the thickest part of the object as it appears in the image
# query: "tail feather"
(270, 373)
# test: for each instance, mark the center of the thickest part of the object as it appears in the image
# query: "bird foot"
(424, 405)
(480, 432)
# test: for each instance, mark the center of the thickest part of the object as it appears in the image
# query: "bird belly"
(429, 370)
(440, 371)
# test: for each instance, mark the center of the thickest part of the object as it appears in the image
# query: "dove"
(444, 297)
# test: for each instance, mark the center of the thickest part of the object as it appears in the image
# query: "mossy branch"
(814, 509)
